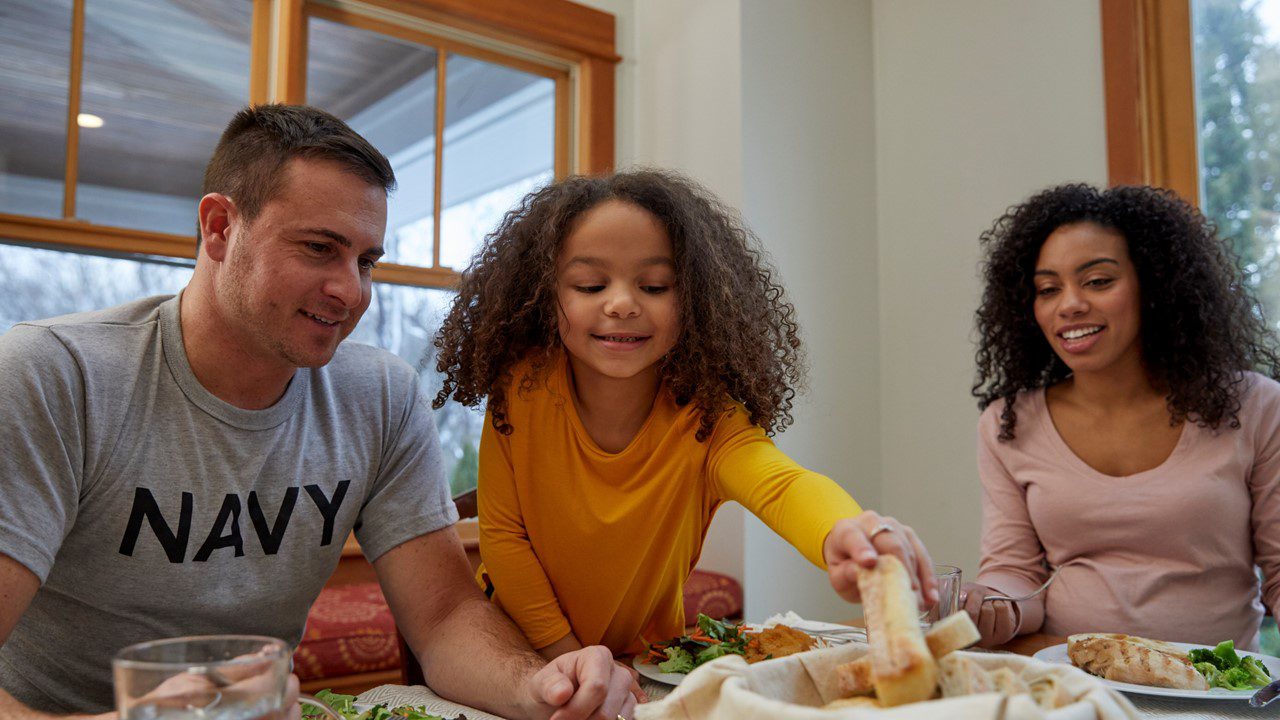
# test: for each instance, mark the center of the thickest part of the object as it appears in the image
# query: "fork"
(839, 637)
(1052, 576)
(835, 635)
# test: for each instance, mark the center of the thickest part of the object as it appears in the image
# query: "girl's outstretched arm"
(807, 509)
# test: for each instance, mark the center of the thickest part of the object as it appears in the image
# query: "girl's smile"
(621, 342)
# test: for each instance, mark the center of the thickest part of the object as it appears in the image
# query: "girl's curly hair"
(1201, 327)
(738, 338)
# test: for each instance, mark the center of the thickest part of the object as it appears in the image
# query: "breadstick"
(904, 669)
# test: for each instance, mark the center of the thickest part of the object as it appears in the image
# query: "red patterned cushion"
(713, 594)
(349, 630)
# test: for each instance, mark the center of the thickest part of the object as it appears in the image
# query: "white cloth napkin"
(795, 688)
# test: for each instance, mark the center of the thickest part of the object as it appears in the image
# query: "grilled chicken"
(1130, 659)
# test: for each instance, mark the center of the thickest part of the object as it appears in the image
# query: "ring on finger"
(882, 527)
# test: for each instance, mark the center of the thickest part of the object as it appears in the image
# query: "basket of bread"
(901, 673)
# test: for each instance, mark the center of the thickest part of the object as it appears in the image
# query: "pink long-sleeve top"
(1169, 553)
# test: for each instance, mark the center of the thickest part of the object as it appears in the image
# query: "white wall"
(813, 205)
(869, 143)
(679, 106)
(809, 178)
(978, 104)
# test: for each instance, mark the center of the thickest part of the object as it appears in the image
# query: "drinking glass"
(210, 677)
(948, 577)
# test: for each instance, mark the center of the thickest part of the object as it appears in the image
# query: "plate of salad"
(1232, 674)
(349, 709)
(668, 662)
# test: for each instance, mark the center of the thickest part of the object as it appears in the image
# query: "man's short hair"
(261, 139)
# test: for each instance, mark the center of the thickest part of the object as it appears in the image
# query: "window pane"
(1237, 69)
(499, 143)
(41, 283)
(385, 89)
(35, 52)
(164, 76)
(404, 319)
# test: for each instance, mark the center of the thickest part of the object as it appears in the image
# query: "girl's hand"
(997, 620)
(857, 542)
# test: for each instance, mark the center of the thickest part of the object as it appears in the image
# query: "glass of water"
(210, 677)
(948, 577)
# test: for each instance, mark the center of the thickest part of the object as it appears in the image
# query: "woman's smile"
(1079, 339)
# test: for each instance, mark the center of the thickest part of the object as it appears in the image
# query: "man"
(191, 465)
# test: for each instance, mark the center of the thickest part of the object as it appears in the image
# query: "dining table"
(1148, 706)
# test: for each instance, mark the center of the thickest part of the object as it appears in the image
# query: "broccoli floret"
(1257, 671)
(1236, 679)
(1204, 655)
(1210, 672)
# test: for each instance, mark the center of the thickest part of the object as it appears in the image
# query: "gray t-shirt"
(150, 508)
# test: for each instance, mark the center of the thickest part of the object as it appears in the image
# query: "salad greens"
(345, 705)
(712, 639)
(1223, 667)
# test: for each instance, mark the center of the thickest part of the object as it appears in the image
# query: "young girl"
(1125, 441)
(636, 354)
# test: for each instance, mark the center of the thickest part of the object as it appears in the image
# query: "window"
(119, 103)
(1236, 56)
(159, 81)
(1193, 88)
(1193, 92)
(47, 283)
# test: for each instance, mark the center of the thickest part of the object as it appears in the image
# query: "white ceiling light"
(85, 120)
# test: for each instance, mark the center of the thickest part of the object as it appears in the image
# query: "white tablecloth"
(1163, 707)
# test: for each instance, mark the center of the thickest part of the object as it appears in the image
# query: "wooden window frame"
(1149, 79)
(570, 43)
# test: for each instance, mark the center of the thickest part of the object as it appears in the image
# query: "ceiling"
(166, 76)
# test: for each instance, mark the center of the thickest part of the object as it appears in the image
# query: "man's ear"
(217, 214)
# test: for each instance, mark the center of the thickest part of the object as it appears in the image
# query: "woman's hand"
(997, 620)
(857, 542)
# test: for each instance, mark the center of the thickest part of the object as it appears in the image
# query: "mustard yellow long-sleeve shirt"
(575, 538)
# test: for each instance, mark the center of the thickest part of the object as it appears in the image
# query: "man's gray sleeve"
(411, 497)
(41, 445)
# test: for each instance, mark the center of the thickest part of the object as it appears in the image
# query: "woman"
(1125, 439)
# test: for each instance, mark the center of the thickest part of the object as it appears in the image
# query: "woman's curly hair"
(738, 338)
(1201, 327)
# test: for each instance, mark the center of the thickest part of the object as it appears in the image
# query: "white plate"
(842, 632)
(1058, 654)
(652, 672)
